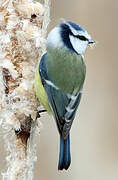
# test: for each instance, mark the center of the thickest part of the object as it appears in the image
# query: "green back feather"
(66, 69)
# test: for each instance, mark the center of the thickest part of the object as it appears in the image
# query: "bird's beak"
(91, 41)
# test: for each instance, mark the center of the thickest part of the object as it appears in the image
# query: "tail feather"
(64, 156)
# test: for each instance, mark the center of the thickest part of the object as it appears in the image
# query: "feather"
(63, 105)
(64, 155)
(63, 101)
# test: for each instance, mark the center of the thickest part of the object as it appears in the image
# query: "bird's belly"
(40, 92)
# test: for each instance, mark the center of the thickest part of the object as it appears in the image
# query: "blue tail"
(64, 156)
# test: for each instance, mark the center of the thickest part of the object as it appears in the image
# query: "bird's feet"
(39, 112)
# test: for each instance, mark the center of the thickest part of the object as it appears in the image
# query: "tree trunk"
(23, 26)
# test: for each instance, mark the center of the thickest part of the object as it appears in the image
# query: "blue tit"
(59, 80)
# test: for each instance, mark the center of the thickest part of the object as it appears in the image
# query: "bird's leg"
(39, 112)
(43, 110)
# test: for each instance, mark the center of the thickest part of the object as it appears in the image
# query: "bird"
(60, 77)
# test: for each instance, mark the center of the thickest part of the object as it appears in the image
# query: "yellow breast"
(40, 91)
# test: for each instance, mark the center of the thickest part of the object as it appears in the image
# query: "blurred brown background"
(94, 135)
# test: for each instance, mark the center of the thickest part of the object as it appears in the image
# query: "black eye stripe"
(83, 38)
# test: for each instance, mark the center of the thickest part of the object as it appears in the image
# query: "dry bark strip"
(23, 26)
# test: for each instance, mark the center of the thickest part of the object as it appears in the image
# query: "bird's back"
(66, 69)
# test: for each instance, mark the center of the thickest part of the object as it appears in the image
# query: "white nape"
(54, 39)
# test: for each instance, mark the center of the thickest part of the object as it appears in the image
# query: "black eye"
(83, 38)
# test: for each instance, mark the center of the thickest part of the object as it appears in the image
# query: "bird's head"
(70, 36)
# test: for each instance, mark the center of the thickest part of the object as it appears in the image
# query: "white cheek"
(78, 45)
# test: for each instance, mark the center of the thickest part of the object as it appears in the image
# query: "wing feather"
(64, 106)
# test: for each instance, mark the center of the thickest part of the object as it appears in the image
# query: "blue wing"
(63, 105)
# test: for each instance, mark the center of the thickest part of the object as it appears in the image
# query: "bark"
(23, 27)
